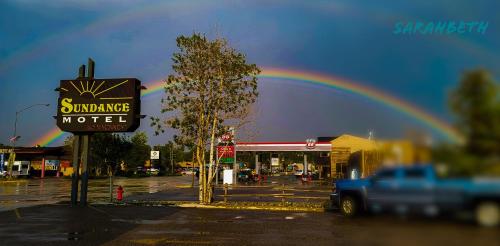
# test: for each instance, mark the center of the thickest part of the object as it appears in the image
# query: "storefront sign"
(225, 154)
(51, 165)
(99, 105)
(275, 162)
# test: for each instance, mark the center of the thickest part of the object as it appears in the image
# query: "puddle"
(225, 221)
(142, 222)
(181, 232)
(75, 236)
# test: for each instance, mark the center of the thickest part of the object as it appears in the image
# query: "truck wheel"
(488, 214)
(348, 206)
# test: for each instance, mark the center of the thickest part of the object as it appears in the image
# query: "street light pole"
(14, 138)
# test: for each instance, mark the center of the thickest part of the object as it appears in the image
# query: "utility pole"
(15, 137)
(235, 164)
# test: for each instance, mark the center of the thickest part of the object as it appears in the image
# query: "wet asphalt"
(36, 191)
(139, 225)
(23, 222)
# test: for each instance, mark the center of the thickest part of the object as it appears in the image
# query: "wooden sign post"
(87, 105)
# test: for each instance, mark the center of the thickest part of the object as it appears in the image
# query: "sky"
(43, 42)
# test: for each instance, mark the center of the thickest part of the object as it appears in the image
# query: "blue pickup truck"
(418, 189)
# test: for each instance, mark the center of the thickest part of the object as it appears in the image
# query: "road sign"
(275, 162)
(155, 155)
(228, 176)
(99, 105)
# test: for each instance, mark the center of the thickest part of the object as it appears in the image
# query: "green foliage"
(210, 80)
(211, 84)
(111, 150)
(108, 149)
(139, 151)
(476, 105)
(178, 155)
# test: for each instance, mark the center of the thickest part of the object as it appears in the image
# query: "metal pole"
(76, 169)
(235, 167)
(110, 173)
(235, 164)
(15, 127)
(305, 166)
(12, 155)
(85, 177)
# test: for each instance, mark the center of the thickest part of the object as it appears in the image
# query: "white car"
(153, 171)
(298, 172)
(187, 172)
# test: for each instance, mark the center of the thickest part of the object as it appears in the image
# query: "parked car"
(246, 175)
(153, 171)
(417, 189)
(187, 171)
(298, 173)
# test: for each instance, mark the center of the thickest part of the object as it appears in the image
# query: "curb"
(231, 206)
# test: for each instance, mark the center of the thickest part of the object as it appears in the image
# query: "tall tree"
(107, 151)
(476, 104)
(212, 83)
(139, 151)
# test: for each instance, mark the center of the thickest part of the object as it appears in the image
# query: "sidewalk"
(277, 193)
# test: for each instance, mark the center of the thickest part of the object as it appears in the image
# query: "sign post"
(154, 155)
(87, 105)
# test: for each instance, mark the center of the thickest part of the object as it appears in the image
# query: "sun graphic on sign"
(86, 88)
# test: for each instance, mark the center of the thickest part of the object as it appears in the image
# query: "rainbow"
(152, 88)
(367, 92)
(50, 137)
(308, 77)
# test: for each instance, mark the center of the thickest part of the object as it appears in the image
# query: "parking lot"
(140, 225)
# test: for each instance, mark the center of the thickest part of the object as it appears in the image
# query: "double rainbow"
(318, 79)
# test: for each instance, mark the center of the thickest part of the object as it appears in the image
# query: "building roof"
(35, 150)
(354, 143)
(282, 146)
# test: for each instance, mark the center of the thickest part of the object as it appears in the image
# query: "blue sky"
(42, 42)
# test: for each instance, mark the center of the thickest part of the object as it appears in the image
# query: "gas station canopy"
(284, 146)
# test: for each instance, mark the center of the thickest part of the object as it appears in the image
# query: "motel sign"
(99, 105)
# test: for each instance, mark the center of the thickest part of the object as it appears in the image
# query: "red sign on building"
(225, 154)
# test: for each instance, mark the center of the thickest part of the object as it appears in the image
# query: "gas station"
(268, 155)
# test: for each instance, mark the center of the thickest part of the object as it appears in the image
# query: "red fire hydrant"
(119, 193)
